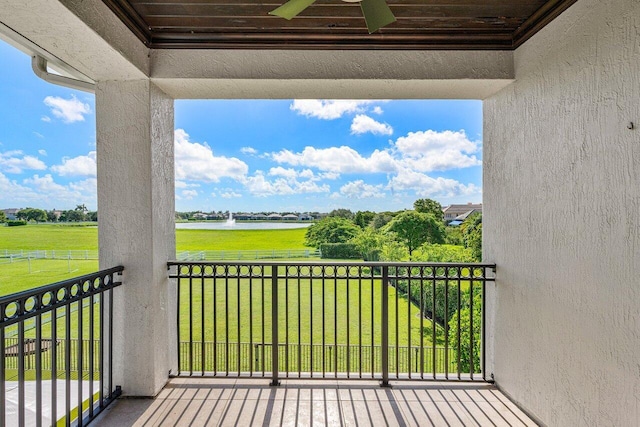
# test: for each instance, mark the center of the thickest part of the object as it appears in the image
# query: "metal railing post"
(384, 327)
(274, 325)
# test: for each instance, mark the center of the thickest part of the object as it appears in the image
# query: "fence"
(247, 254)
(10, 256)
(366, 320)
(71, 346)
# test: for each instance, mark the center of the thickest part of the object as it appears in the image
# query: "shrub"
(16, 223)
(339, 251)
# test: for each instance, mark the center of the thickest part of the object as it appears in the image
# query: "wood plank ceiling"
(334, 24)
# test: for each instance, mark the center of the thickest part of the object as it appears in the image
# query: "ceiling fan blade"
(377, 14)
(291, 8)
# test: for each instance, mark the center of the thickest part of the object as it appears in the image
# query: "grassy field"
(65, 237)
(22, 274)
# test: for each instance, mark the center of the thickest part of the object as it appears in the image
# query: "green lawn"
(66, 237)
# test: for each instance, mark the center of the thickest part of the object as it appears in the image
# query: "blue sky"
(247, 155)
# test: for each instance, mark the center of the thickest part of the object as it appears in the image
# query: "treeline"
(26, 215)
(408, 235)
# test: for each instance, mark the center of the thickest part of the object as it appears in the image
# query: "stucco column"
(136, 227)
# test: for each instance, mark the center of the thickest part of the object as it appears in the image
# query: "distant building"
(305, 217)
(452, 212)
(259, 217)
(274, 217)
(11, 213)
(290, 217)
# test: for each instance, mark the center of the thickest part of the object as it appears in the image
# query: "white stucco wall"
(562, 219)
(137, 230)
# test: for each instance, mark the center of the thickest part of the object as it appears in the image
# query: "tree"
(51, 216)
(472, 235)
(414, 228)
(3, 217)
(92, 216)
(341, 213)
(331, 230)
(465, 334)
(32, 214)
(370, 243)
(381, 219)
(429, 206)
(363, 218)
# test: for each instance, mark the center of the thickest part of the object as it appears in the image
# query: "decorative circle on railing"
(208, 270)
(183, 270)
(245, 270)
(31, 304)
(47, 299)
(86, 286)
(305, 271)
(257, 270)
(75, 290)
(61, 294)
(196, 270)
(107, 280)
(293, 270)
(11, 310)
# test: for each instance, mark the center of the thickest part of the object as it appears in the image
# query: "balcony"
(399, 328)
(356, 343)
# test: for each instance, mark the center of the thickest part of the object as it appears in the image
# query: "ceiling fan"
(377, 13)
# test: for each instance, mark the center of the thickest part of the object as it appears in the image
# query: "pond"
(222, 225)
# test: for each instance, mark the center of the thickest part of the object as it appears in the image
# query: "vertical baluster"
(178, 332)
(300, 320)
(384, 326)
(274, 326)
(422, 322)
(434, 272)
(67, 358)
(226, 319)
(80, 352)
(459, 308)
(21, 379)
(471, 367)
(335, 320)
(324, 272)
(238, 331)
(446, 324)
(203, 353)
(251, 320)
(191, 320)
(38, 360)
(3, 386)
(92, 366)
(215, 319)
(286, 320)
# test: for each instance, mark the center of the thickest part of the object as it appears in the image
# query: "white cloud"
(259, 186)
(230, 195)
(363, 124)
(46, 119)
(327, 109)
(339, 160)
(182, 184)
(77, 166)
(430, 150)
(426, 186)
(45, 192)
(42, 152)
(359, 190)
(189, 194)
(38, 134)
(16, 162)
(68, 110)
(248, 150)
(195, 161)
(377, 110)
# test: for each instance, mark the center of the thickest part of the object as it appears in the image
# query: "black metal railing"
(331, 320)
(56, 345)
